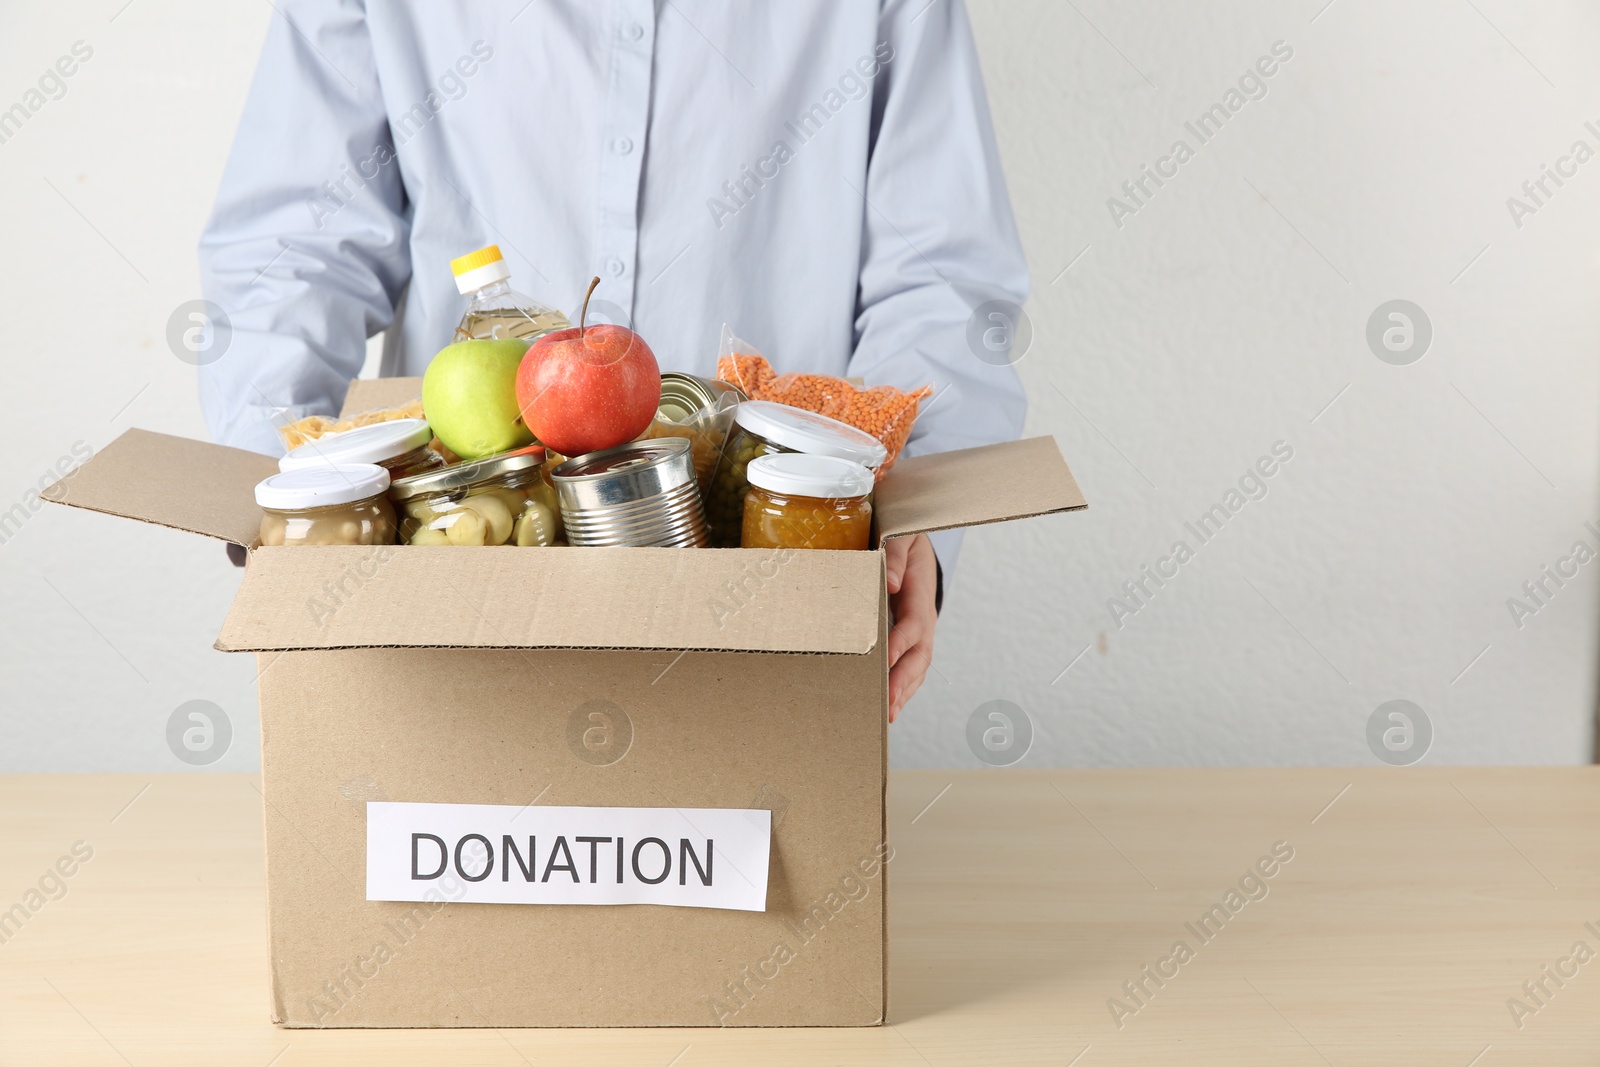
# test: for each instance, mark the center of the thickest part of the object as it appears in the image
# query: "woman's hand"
(913, 590)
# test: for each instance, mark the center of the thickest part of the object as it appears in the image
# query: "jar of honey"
(801, 501)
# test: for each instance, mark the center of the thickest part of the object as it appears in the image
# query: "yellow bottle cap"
(473, 260)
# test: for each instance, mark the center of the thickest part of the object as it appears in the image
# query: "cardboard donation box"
(569, 786)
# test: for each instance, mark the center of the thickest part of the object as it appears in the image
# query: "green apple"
(469, 395)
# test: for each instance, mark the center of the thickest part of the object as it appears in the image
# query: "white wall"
(1220, 318)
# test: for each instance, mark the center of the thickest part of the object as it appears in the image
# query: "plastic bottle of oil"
(494, 309)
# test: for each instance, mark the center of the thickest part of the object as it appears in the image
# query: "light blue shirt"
(821, 175)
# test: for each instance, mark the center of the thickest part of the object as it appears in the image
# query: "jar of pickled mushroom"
(801, 501)
(499, 500)
(763, 428)
(399, 446)
(326, 505)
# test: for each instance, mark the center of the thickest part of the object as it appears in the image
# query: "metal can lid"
(616, 476)
(462, 475)
(805, 431)
(363, 444)
(321, 487)
(683, 396)
(611, 461)
(797, 474)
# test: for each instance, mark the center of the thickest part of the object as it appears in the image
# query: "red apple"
(588, 388)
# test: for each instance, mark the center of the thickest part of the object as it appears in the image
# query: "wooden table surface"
(1415, 905)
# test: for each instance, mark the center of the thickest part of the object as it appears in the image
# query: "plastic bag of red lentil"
(883, 411)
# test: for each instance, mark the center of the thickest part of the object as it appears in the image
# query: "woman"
(820, 174)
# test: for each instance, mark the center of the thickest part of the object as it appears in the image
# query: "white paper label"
(505, 854)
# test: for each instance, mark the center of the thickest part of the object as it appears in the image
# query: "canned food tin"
(699, 410)
(642, 495)
(685, 397)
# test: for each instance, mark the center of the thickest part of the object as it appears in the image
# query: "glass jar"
(326, 505)
(763, 428)
(801, 501)
(498, 500)
(399, 446)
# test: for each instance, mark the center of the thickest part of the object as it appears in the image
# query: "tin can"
(700, 410)
(684, 397)
(642, 494)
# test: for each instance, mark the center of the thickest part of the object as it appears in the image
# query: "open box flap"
(171, 481)
(449, 597)
(974, 486)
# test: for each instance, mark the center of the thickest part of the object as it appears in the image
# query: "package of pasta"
(883, 411)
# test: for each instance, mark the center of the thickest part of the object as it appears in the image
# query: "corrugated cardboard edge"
(883, 800)
(326, 597)
(277, 1008)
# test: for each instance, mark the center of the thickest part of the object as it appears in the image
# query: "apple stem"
(584, 314)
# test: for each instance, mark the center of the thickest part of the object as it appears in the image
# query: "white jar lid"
(797, 474)
(321, 487)
(806, 431)
(364, 444)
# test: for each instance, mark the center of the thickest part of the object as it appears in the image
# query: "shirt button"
(623, 145)
(633, 31)
(615, 266)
